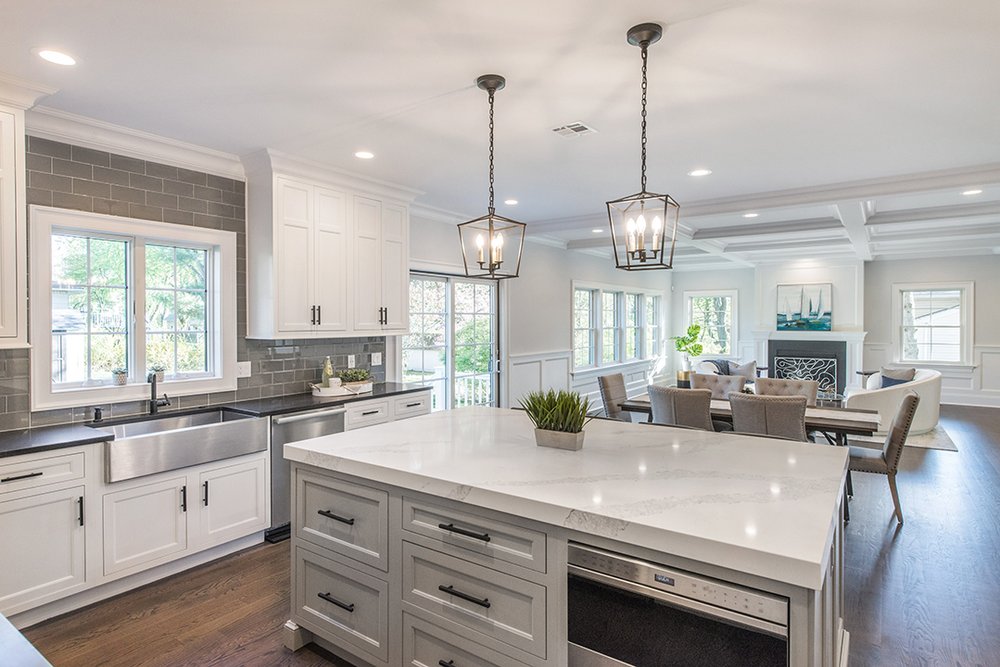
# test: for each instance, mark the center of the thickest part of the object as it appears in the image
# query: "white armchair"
(926, 383)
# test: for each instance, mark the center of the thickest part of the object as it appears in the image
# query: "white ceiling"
(793, 97)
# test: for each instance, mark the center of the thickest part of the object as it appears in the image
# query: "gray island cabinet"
(452, 539)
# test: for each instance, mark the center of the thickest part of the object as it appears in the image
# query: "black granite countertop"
(40, 439)
(13, 443)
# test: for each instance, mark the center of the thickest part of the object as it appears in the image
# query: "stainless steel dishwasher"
(286, 429)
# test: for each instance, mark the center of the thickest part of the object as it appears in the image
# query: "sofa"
(926, 383)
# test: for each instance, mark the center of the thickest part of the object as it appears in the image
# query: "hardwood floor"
(925, 594)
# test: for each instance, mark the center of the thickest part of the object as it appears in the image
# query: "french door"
(453, 344)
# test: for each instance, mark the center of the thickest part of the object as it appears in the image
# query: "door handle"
(17, 477)
(79, 501)
(332, 600)
(336, 517)
(452, 528)
(278, 421)
(205, 486)
(312, 319)
(482, 602)
(319, 314)
(184, 498)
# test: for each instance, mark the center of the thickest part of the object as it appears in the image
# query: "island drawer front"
(366, 413)
(412, 405)
(498, 605)
(425, 644)
(350, 519)
(342, 602)
(35, 472)
(469, 532)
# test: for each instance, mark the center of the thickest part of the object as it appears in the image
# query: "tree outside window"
(714, 312)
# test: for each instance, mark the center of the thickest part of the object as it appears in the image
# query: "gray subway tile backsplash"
(126, 186)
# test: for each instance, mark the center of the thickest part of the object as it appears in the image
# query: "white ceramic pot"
(559, 439)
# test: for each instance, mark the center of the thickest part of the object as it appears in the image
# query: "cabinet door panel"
(331, 259)
(293, 299)
(8, 229)
(367, 264)
(236, 502)
(395, 268)
(43, 554)
(145, 523)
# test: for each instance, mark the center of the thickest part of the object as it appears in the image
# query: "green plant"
(355, 375)
(158, 368)
(688, 343)
(557, 411)
(119, 371)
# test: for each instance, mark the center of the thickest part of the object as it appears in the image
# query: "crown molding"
(22, 93)
(435, 214)
(47, 123)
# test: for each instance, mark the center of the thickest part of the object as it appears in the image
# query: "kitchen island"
(467, 498)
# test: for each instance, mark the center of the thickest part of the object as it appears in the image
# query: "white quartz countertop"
(762, 506)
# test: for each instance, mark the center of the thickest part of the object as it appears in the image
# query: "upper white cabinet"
(13, 271)
(328, 253)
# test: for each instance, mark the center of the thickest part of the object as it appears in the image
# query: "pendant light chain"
(645, 58)
(492, 208)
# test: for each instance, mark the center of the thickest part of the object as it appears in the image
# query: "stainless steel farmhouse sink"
(146, 446)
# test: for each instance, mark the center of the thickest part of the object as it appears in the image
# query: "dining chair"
(787, 387)
(721, 386)
(769, 415)
(681, 407)
(612, 394)
(885, 461)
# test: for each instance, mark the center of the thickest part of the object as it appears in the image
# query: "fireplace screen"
(823, 370)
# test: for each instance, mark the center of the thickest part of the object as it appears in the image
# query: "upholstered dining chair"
(783, 387)
(612, 394)
(720, 385)
(783, 416)
(885, 461)
(681, 407)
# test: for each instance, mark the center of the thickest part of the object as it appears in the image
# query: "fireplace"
(822, 360)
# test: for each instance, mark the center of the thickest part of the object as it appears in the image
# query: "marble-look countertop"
(754, 505)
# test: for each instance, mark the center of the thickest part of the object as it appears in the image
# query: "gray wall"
(79, 178)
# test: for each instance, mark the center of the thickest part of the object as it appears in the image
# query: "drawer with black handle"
(426, 644)
(412, 405)
(32, 472)
(366, 413)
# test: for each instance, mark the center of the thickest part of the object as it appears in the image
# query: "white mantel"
(854, 340)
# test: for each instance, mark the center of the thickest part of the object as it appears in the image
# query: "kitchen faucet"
(155, 403)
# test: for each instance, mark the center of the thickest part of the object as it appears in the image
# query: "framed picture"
(805, 307)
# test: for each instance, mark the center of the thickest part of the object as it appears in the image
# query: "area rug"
(937, 438)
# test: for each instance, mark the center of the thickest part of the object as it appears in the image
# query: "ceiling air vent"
(575, 129)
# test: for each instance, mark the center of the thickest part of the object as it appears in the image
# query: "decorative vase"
(683, 379)
(159, 376)
(559, 439)
(686, 362)
(121, 379)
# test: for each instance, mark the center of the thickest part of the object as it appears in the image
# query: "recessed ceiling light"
(597, 231)
(510, 202)
(975, 191)
(750, 215)
(57, 57)
(364, 155)
(699, 172)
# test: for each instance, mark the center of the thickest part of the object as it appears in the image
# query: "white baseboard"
(987, 399)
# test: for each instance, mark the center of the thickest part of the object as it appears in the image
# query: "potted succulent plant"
(357, 380)
(559, 417)
(159, 369)
(120, 376)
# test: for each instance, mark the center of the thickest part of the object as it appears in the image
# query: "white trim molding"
(537, 371)
(854, 341)
(968, 318)
(21, 93)
(734, 294)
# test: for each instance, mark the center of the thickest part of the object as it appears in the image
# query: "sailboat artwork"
(805, 307)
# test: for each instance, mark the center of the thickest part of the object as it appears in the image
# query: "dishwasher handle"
(278, 421)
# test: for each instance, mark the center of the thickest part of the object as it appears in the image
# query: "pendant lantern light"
(491, 244)
(644, 225)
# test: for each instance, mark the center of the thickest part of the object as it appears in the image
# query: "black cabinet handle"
(319, 314)
(312, 315)
(452, 528)
(386, 309)
(205, 485)
(330, 515)
(79, 501)
(413, 405)
(332, 600)
(449, 663)
(450, 590)
(369, 412)
(184, 498)
(17, 477)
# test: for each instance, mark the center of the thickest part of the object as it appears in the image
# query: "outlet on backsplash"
(350, 361)
(243, 369)
(376, 358)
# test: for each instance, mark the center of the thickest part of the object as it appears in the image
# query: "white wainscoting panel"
(637, 377)
(960, 385)
(535, 372)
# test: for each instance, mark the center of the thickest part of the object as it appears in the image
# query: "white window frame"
(597, 291)
(221, 337)
(967, 318)
(734, 343)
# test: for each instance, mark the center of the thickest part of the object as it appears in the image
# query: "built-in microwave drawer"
(485, 540)
(29, 473)
(366, 413)
(427, 645)
(493, 603)
(341, 603)
(348, 518)
(412, 405)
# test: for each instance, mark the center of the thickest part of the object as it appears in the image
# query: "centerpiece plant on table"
(558, 416)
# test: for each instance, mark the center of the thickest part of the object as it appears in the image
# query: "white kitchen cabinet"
(328, 253)
(13, 232)
(145, 523)
(232, 502)
(43, 554)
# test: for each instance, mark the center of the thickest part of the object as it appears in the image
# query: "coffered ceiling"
(851, 128)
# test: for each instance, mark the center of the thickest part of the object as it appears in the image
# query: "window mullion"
(137, 339)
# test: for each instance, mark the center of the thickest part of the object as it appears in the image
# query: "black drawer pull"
(27, 476)
(452, 528)
(79, 501)
(332, 600)
(205, 485)
(449, 663)
(370, 412)
(450, 590)
(336, 517)
(414, 405)
(184, 498)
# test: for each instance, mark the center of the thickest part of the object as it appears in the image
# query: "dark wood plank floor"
(926, 594)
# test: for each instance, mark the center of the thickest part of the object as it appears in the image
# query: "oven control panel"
(733, 597)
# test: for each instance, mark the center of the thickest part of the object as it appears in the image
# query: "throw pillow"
(904, 374)
(892, 382)
(747, 370)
